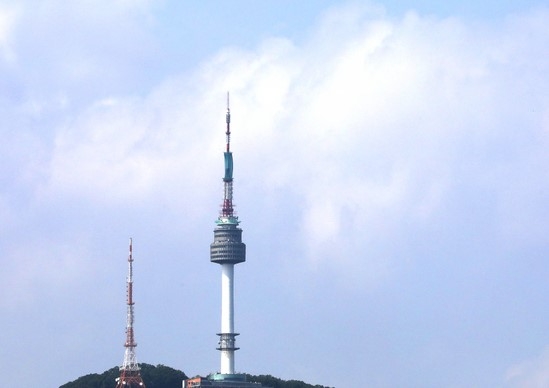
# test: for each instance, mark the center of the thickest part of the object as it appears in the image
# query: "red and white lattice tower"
(130, 375)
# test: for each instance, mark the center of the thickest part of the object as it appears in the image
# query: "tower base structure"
(130, 381)
(221, 380)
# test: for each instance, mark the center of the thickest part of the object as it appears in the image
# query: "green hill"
(274, 382)
(159, 376)
(162, 376)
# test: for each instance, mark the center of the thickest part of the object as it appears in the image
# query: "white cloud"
(532, 373)
(35, 268)
(123, 150)
(390, 125)
(8, 19)
(354, 150)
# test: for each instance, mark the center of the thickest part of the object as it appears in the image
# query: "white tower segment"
(227, 318)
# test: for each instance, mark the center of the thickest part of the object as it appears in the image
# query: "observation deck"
(227, 247)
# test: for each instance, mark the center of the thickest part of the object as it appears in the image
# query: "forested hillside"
(159, 376)
(162, 376)
(274, 382)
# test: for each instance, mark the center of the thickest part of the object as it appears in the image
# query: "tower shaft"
(130, 375)
(227, 298)
(227, 335)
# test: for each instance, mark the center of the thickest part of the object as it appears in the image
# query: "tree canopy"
(159, 376)
(162, 376)
(274, 382)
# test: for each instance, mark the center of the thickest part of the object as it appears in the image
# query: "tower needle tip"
(228, 116)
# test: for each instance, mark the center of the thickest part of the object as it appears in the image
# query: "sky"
(391, 178)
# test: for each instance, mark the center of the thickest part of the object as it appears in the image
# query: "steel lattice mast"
(227, 250)
(129, 371)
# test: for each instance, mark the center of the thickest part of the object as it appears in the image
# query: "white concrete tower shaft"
(227, 317)
(227, 250)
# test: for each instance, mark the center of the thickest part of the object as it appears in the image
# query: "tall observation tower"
(227, 250)
(130, 377)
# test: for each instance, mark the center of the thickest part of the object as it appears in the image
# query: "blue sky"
(390, 175)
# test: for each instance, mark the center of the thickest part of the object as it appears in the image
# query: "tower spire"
(227, 210)
(130, 376)
(227, 250)
(228, 120)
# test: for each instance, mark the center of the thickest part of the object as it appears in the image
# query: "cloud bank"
(379, 154)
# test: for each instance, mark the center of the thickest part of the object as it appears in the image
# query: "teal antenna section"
(228, 154)
(228, 167)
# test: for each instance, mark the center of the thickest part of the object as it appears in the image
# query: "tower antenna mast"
(130, 376)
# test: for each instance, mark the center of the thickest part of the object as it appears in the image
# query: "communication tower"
(130, 376)
(227, 250)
